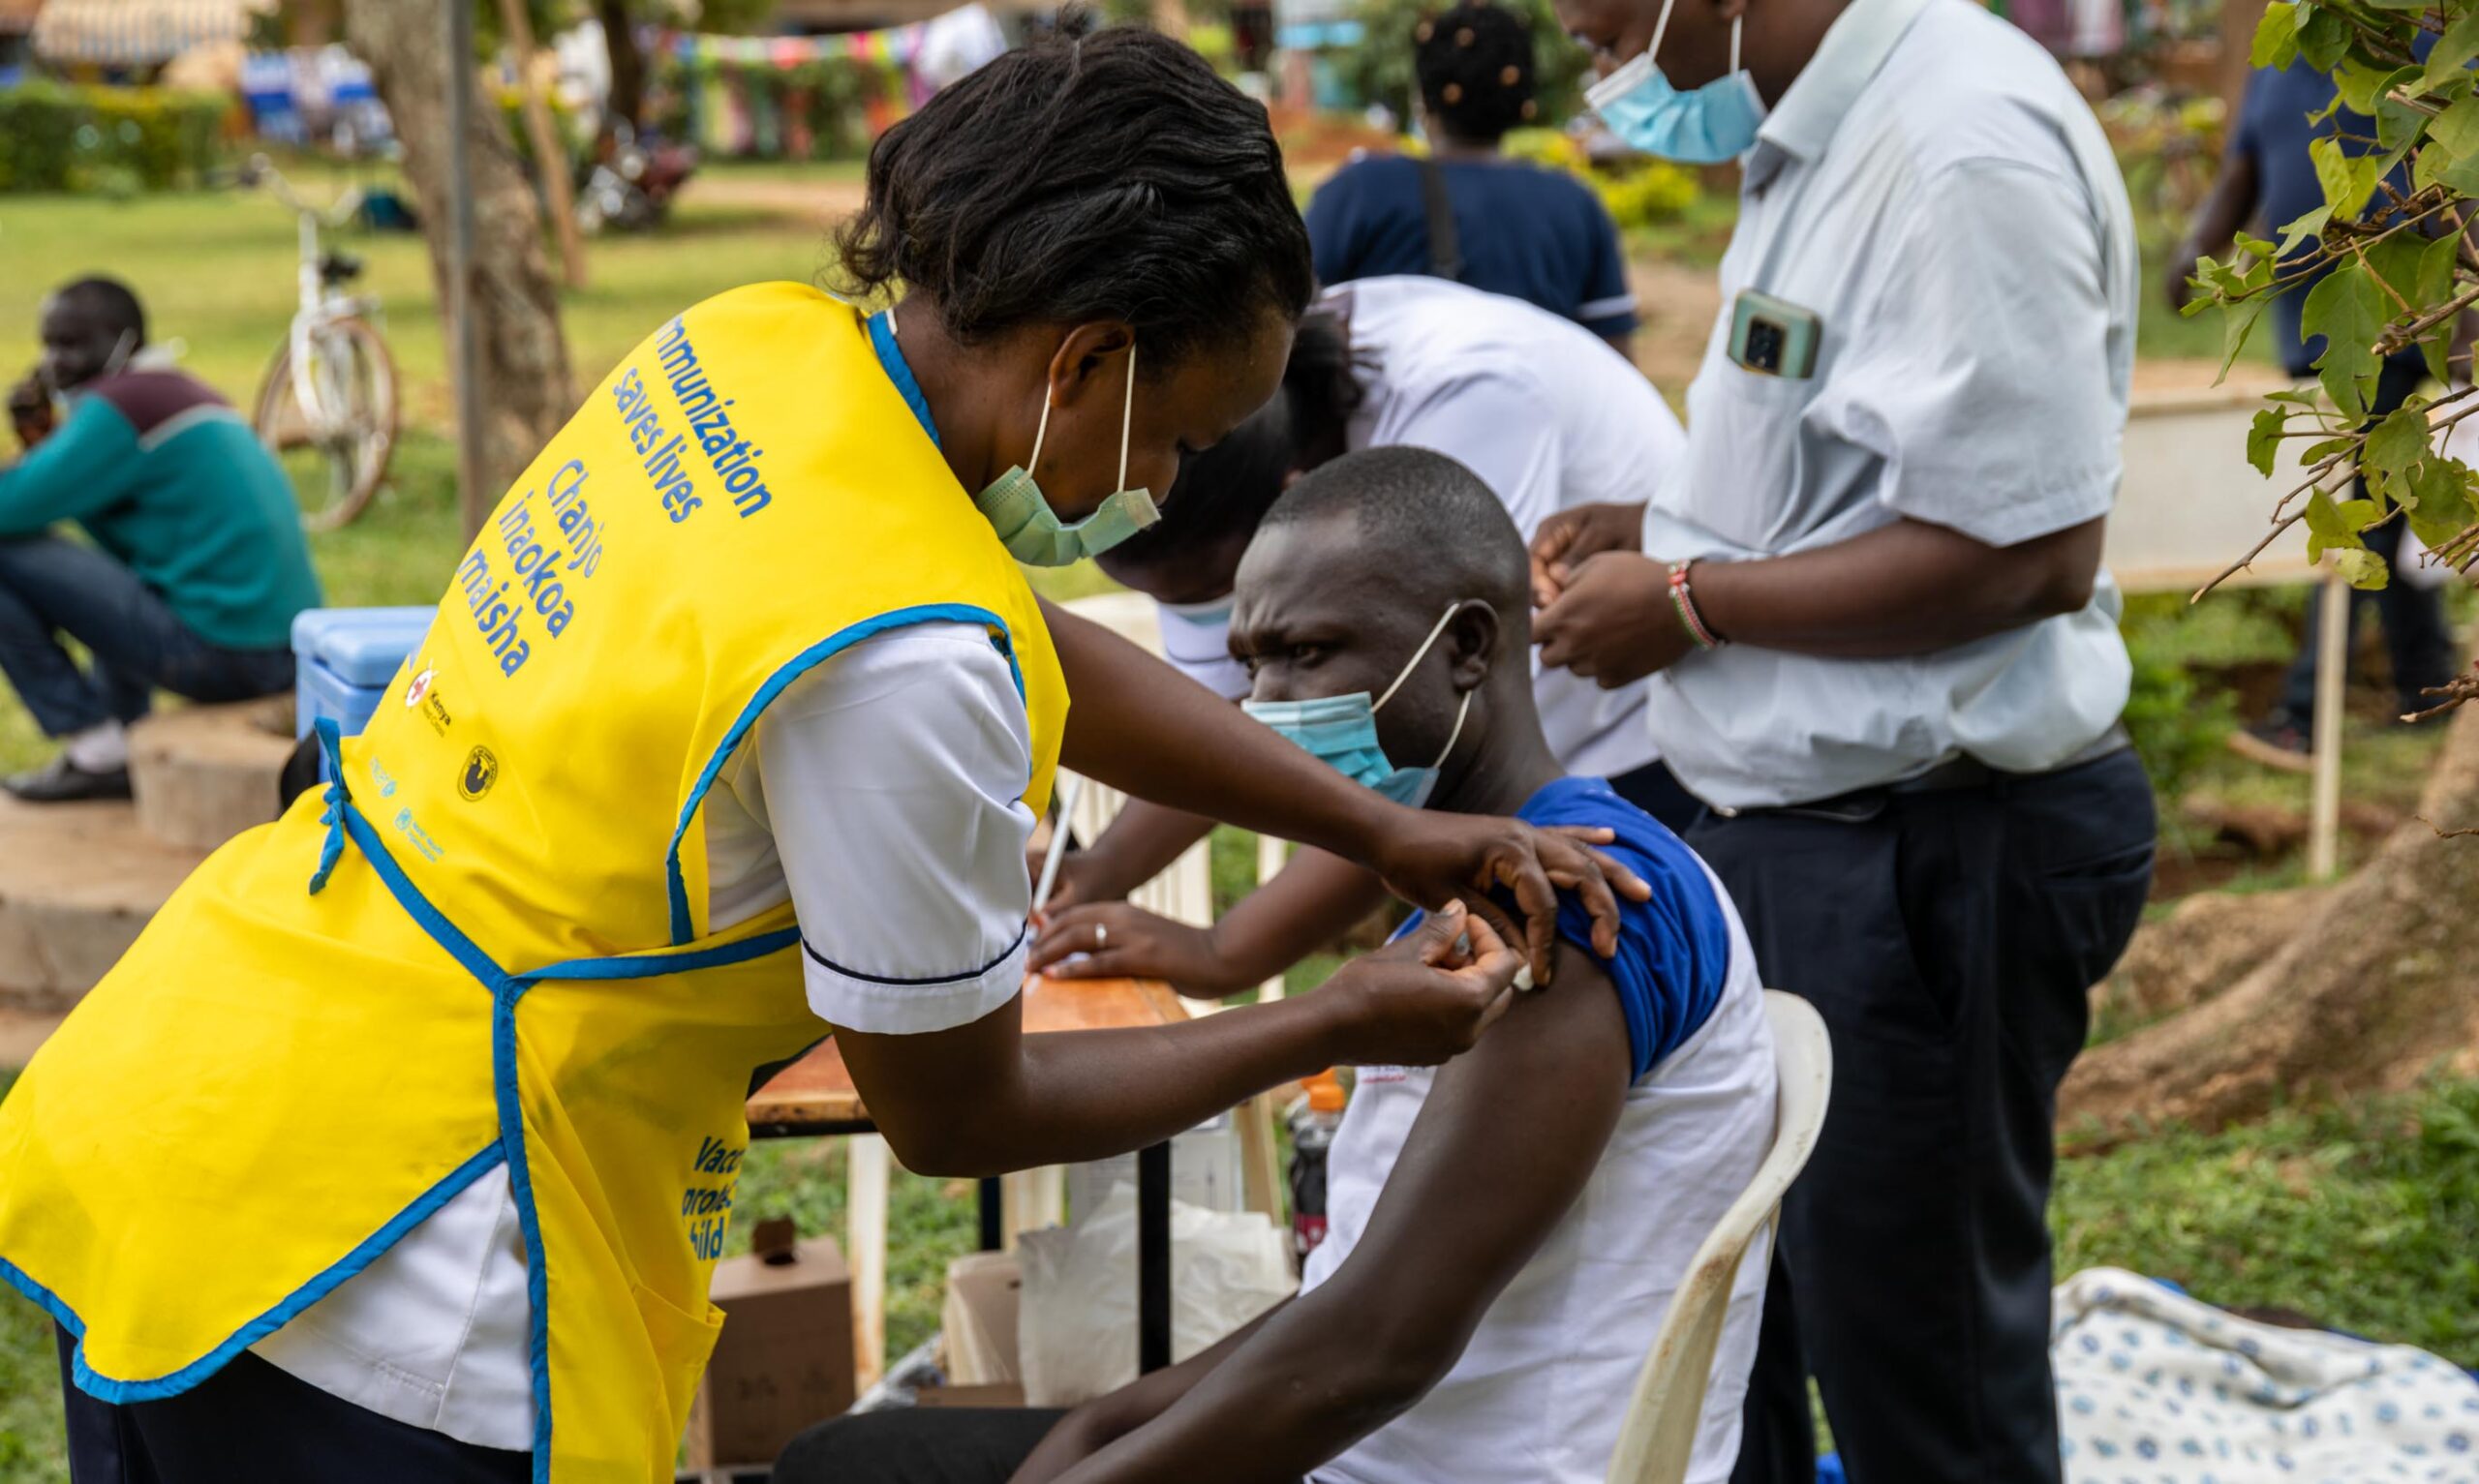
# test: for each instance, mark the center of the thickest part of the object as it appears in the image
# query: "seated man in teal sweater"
(197, 564)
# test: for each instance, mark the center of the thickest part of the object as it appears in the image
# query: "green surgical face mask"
(1033, 532)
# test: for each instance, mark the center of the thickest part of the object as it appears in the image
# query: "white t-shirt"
(896, 829)
(1543, 411)
(1539, 1392)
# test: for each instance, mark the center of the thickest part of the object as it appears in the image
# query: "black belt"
(1948, 776)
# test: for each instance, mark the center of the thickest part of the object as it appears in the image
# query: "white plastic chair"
(1659, 1433)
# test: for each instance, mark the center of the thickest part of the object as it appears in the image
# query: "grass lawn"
(2363, 1218)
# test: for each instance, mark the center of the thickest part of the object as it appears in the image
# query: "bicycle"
(331, 383)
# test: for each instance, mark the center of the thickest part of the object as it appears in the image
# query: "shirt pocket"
(1745, 454)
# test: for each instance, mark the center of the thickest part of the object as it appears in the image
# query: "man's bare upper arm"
(1508, 1138)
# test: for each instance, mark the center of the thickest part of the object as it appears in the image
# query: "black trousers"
(1947, 939)
(251, 1423)
(919, 1445)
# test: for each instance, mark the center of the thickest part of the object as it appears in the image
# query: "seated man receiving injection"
(1507, 1231)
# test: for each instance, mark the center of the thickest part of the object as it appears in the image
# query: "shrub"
(1641, 195)
(57, 138)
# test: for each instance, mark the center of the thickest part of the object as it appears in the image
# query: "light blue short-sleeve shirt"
(1935, 190)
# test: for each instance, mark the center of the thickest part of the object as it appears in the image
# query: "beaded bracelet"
(1683, 600)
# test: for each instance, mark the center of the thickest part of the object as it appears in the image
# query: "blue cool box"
(345, 659)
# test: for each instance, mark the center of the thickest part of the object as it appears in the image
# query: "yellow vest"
(513, 963)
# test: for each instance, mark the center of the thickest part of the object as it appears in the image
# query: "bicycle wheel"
(353, 426)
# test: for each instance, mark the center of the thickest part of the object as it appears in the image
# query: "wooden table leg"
(865, 1236)
(1153, 1258)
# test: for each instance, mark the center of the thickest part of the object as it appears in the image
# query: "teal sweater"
(165, 475)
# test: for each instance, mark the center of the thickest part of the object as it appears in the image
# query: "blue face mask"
(1033, 532)
(1342, 732)
(1706, 126)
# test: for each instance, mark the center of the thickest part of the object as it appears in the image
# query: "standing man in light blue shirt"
(1888, 663)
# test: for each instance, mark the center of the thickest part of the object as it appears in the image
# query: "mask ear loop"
(1413, 664)
(1660, 28)
(1040, 432)
(1128, 416)
(1736, 21)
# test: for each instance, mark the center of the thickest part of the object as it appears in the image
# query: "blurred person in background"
(2267, 178)
(194, 564)
(1467, 211)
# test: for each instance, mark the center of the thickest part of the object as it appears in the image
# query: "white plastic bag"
(1077, 1331)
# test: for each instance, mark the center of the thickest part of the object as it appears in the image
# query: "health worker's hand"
(1085, 876)
(1565, 538)
(1120, 941)
(1614, 624)
(1434, 858)
(1427, 997)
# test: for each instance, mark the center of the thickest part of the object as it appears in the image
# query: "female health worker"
(402, 1143)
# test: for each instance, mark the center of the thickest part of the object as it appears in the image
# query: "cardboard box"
(785, 1361)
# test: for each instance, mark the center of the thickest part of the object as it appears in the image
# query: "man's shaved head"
(1422, 523)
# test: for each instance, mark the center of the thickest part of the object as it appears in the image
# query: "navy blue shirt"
(1527, 232)
(1673, 956)
(2274, 132)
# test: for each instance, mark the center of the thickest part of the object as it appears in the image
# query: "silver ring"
(1101, 936)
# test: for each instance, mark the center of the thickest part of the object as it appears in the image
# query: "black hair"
(1112, 178)
(1425, 522)
(1475, 69)
(111, 301)
(1213, 508)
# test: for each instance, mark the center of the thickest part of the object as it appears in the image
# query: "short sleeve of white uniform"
(1500, 425)
(1983, 376)
(891, 779)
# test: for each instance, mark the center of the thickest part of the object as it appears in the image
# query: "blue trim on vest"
(649, 965)
(105, 1388)
(683, 925)
(504, 1093)
(899, 371)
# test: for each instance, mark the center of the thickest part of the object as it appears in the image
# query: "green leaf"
(2350, 312)
(2358, 514)
(2363, 85)
(2276, 41)
(2456, 129)
(2323, 38)
(2397, 125)
(2397, 442)
(2326, 528)
(2264, 439)
(2317, 453)
(2310, 225)
(2363, 569)
(2441, 490)
(2452, 52)
(2238, 319)
(2348, 179)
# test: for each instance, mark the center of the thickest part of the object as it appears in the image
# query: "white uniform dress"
(1543, 411)
(881, 799)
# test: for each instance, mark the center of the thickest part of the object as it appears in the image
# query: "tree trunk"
(2374, 992)
(524, 393)
(627, 99)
